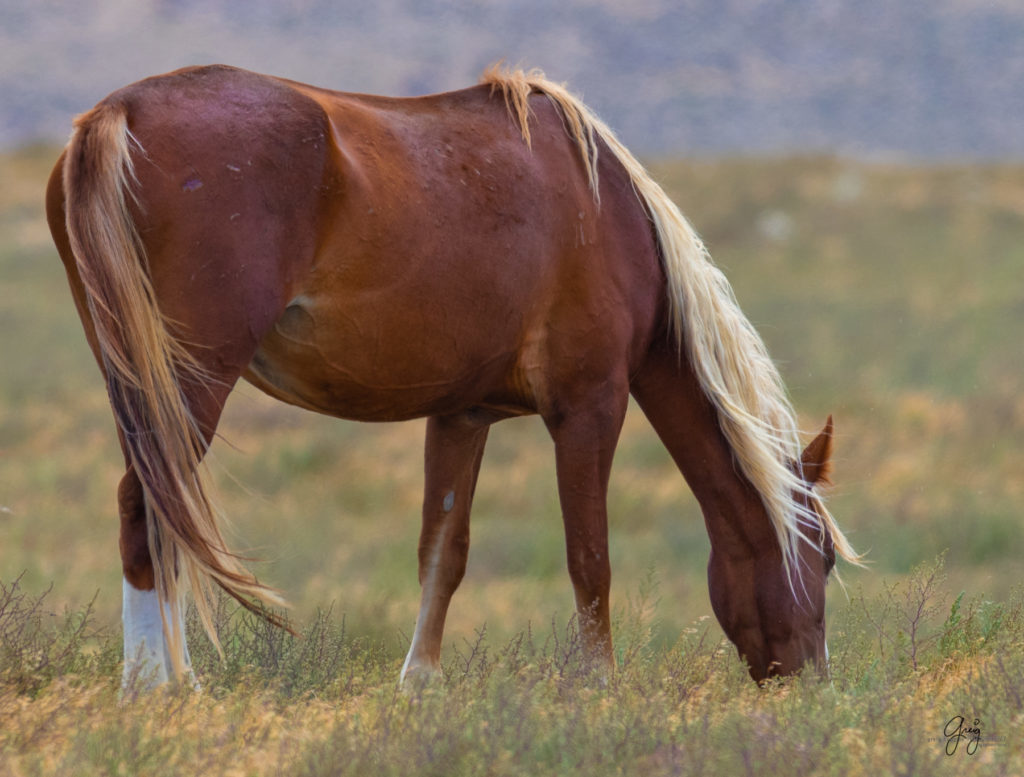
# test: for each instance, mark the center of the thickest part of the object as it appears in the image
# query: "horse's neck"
(672, 400)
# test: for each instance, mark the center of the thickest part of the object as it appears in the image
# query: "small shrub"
(322, 660)
(903, 616)
(38, 646)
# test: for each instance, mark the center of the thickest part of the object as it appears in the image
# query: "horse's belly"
(373, 371)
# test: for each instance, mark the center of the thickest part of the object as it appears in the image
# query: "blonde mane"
(725, 351)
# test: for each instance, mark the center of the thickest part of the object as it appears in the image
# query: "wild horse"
(464, 257)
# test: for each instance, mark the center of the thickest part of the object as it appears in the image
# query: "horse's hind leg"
(585, 440)
(147, 655)
(454, 448)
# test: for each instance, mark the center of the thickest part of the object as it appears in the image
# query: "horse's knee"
(589, 567)
(133, 540)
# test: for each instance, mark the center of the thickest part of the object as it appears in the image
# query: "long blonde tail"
(726, 352)
(146, 371)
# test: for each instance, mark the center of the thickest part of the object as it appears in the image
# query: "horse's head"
(775, 617)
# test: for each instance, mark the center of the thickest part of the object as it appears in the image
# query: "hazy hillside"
(912, 77)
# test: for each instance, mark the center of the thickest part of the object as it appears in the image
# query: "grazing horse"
(465, 257)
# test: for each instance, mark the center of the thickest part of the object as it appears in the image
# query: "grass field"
(890, 296)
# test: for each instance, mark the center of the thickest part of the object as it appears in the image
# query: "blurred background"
(854, 167)
(915, 78)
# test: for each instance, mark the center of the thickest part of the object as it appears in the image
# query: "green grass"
(890, 297)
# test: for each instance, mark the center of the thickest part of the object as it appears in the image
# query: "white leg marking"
(413, 659)
(147, 658)
(417, 637)
(145, 649)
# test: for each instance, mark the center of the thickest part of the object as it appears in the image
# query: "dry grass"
(328, 703)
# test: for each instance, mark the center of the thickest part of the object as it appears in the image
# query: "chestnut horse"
(464, 257)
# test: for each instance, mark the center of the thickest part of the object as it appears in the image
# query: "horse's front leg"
(585, 441)
(454, 448)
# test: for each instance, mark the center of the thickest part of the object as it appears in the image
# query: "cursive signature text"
(958, 729)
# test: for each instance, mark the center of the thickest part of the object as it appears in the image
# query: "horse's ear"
(817, 457)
